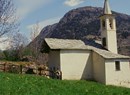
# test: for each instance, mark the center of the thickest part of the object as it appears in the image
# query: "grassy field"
(13, 84)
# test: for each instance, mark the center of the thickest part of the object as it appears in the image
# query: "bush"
(11, 55)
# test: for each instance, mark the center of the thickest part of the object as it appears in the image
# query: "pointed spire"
(107, 9)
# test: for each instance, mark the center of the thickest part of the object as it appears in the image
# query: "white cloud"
(72, 3)
(44, 23)
(24, 7)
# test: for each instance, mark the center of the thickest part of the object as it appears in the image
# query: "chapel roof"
(54, 43)
(109, 55)
(72, 44)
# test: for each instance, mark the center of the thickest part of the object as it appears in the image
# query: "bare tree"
(34, 31)
(37, 56)
(17, 43)
(7, 17)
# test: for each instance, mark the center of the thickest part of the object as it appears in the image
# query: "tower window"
(111, 23)
(104, 42)
(117, 65)
(103, 23)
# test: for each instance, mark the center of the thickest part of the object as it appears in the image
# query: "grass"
(14, 84)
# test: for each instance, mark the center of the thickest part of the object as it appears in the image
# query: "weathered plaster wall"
(54, 60)
(98, 68)
(119, 78)
(76, 64)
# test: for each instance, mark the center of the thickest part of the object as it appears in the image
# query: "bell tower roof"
(107, 9)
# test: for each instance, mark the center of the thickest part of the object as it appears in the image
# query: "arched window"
(111, 23)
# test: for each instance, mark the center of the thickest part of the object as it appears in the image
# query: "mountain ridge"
(84, 23)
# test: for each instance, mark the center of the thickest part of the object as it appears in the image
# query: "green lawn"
(13, 84)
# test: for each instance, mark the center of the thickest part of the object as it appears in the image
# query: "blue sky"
(47, 12)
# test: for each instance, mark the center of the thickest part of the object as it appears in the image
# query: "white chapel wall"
(112, 42)
(54, 60)
(121, 77)
(76, 64)
(98, 68)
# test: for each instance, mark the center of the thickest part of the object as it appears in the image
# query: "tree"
(17, 41)
(10, 55)
(1, 55)
(8, 20)
(16, 46)
(35, 29)
(37, 56)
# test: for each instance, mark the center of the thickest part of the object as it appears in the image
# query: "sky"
(48, 12)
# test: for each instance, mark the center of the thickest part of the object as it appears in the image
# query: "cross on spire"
(107, 9)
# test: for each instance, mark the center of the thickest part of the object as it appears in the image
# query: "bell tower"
(108, 29)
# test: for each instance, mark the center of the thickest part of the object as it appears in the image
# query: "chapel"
(77, 61)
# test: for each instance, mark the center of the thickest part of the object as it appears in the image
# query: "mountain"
(84, 23)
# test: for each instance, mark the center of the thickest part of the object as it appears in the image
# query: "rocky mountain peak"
(83, 23)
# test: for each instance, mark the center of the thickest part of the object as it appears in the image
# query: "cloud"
(72, 3)
(24, 7)
(44, 23)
